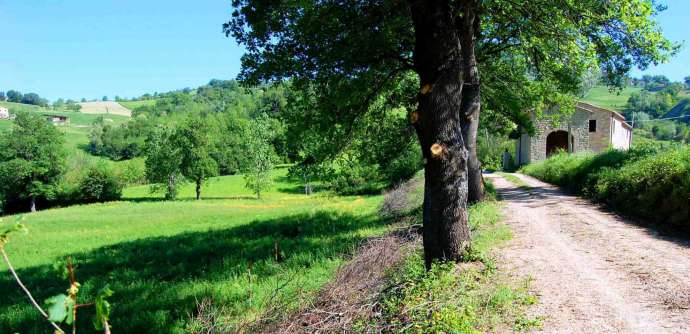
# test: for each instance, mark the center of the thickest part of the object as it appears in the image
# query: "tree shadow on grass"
(187, 199)
(158, 280)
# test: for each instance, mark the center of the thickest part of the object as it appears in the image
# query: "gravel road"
(594, 272)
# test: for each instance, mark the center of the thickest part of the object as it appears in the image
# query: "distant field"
(131, 105)
(163, 257)
(105, 107)
(76, 133)
(601, 96)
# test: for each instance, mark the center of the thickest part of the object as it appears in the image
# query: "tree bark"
(438, 62)
(198, 189)
(468, 28)
(32, 204)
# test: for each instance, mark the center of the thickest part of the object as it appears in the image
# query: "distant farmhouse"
(4, 113)
(590, 128)
(58, 119)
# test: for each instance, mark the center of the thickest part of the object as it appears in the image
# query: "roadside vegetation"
(474, 296)
(648, 181)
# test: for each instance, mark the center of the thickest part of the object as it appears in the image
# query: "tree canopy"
(32, 160)
(523, 55)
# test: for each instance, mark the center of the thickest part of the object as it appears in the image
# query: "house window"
(592, 125)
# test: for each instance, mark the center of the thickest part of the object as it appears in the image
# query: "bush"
(99, 184)
(133, 172)
(650, 181)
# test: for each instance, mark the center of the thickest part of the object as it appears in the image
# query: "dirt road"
(593, 271)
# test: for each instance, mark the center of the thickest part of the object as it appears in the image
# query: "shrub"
(99, 184)
(133, 172)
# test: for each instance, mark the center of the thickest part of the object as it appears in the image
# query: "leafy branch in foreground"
(63, 307)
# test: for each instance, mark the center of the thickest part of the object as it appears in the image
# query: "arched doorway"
(556, 141)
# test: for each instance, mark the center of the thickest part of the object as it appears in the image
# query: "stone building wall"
(579, 130)
(621, 132)
(600, 140)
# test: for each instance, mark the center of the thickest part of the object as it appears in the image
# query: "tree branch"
(26, 291)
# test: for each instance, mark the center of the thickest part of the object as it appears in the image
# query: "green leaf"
(60, 308)
(102, 307)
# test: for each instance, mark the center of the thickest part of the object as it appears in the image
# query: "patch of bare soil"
(593, 271)
(105, 107)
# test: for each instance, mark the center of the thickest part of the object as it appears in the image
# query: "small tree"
(100, 184)
(105, 98)
(195, 139)
(2, 96)
(163, 161)
(260, 154)
(32, 159)
(687, 82)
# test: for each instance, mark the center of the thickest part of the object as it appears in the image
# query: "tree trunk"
(438, 61)
(170, 193)
(198, 189)
(468, 27)
(32, 204)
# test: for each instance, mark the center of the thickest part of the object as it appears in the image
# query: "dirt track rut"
(594, 272)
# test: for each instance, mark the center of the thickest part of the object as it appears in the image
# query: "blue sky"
(675, 22)
(91, 48)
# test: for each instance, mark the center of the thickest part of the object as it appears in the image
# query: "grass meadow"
(163, 257)
(601, 96)
(131, 105)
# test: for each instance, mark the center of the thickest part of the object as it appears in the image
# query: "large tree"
(32, 160)
(530, 54)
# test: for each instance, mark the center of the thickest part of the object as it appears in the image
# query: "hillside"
(105, 107)
(681, 110)
(76, 133)
(131, 105)
(603, 97)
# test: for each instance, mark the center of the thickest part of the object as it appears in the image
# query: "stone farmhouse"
(590, 128)
(4, 113)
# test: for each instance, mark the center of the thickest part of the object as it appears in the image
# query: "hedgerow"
(650, 181)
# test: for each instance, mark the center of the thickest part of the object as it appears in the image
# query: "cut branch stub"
(414, 117)
(426, 89)
(436, 150)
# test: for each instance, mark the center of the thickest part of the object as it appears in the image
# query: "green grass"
(601, 96)
(162, 257)
(131, 105)
(513, 179)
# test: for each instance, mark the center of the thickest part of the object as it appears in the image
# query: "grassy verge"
(471, 297)
(514, 180)
(649, 182)
(163, 257)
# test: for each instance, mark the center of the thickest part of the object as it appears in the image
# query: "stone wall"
(600, 140)
(578, 125)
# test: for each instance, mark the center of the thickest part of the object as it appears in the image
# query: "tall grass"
(650, 181)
